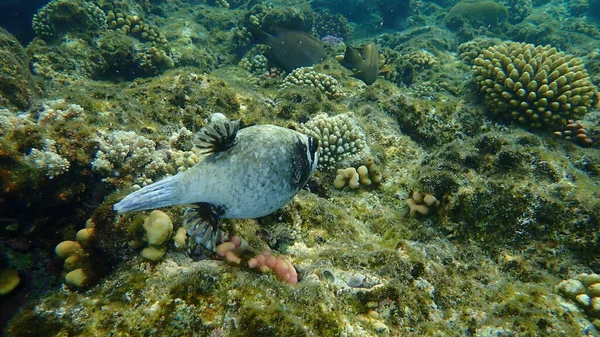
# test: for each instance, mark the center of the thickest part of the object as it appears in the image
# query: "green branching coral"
(535, 85)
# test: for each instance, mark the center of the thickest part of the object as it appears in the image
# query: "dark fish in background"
(292, 49)
(364, 59)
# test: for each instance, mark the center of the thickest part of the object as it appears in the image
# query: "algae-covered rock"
(514, 211)
(483, 13)
(17, 89)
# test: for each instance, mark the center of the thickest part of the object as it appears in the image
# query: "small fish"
(364, 59)
(247, 174)
(293, 49)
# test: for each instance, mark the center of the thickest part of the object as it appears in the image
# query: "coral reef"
(575, 131)
(381, 12)
(339, 137)
(279, 265)
(518, 9)
(134, 25)
(578, 7)
(348, 176)
(333, 25)
(537, 86)
(265, 261)
(256, 64)
(127, 153)
(510, 212)
(470, 50)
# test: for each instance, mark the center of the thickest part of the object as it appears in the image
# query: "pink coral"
(227, 248)
(264, 261)
(279, 265)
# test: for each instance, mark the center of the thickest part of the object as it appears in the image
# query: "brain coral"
(535, 85)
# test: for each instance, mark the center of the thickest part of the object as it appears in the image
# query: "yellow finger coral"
(76, 255)
(535, 85)
(365, 175)
(9, 280)
(159, 229)
(421, 203)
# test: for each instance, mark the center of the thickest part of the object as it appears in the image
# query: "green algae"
(17, 87)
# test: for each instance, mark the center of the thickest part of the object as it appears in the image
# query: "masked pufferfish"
(248, 173)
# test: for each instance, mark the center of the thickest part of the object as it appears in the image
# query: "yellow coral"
(159, 229)
(9, 280)
(421, 203)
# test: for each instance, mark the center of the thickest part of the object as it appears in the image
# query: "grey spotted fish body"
(250, 173)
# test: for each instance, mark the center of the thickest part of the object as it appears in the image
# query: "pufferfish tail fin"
(201, 222)
(218, 135)
(166, 192)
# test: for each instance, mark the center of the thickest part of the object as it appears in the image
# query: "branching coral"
(535, 85)
(126, 152)
(48, 160)
(420, 59)
(307, 76)
(61, 16)
(339, 137)
(134, 25)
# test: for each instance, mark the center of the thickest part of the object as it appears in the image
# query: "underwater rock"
(17, 89)
(483, 13)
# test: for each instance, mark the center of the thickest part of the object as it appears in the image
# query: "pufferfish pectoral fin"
(218, 135)
(201, 222)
